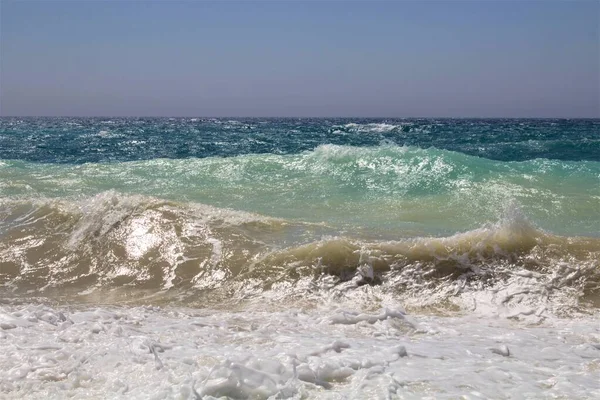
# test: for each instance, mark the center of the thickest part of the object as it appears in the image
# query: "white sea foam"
(381, 128)
(373, 127)
(106, 134)
(177, 353)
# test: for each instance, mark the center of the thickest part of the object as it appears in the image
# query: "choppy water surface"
(299, 258)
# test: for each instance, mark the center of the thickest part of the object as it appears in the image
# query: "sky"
(299, 59)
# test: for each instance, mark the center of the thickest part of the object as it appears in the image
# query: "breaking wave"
(139, 246)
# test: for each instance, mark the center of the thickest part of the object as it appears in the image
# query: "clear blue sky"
(391, 59)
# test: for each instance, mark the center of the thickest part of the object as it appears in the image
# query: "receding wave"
(198, 253)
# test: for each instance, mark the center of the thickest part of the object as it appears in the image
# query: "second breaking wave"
(385, 191)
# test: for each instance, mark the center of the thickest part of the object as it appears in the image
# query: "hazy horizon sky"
(368, 59)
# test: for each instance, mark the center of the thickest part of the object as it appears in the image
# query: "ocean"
(187, 258)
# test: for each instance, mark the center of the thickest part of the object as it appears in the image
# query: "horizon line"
(288, 117)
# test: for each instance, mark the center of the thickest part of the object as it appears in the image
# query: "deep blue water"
(82, 140)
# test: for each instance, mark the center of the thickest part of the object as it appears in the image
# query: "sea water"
(194, 258)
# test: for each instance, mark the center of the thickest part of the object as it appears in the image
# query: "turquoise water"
(387, 190)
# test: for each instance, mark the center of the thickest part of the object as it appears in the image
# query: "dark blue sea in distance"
(83, 140)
